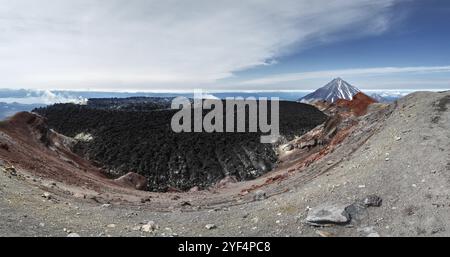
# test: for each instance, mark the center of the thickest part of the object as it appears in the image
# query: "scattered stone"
(373, 234)
(186, 203)
(136, 228)
(226, 181)
(328, 214)
(324, 233)
(244, 193)
(260, 195)
(368, 232)
(111, 226)
(357, 211)
(11, 170)
(362, 186)
(146, 200)
(149, 227)
(79, 195)
(194, 189)
(308, 144)
(73, 235)
(372, 201)
(94, 198)
(437, 230)
(210, 226)
(288, 147)
(84, 137)
(47, 195)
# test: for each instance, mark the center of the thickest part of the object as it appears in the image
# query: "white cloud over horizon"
(42, 97)
(145, 44)
(377, 72)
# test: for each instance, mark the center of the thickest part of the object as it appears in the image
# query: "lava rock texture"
(140, 140)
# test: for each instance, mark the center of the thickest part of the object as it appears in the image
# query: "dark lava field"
(135, 135)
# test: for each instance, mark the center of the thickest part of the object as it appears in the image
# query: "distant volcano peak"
(331, 92)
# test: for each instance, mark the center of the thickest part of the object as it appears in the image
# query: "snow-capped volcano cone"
(331, 92)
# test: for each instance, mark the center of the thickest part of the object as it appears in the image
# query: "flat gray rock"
(328, 214)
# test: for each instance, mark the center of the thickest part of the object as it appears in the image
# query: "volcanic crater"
(134, 135)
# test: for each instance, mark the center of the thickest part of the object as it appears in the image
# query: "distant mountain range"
(9, 109)
(386, 97)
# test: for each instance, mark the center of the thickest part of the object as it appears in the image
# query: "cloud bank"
(327, 74)
(40, 97)
(151, 44)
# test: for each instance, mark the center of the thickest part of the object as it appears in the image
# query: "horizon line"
(182, 91)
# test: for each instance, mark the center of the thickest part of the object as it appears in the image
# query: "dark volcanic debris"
(128, 139)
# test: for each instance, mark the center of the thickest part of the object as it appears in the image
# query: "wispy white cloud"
(149, 44)
(327, 74)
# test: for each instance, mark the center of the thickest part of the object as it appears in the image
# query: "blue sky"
(147, 45)
(418, 37)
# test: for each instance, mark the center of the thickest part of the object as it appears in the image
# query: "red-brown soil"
(358, 105)
(33, 147)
